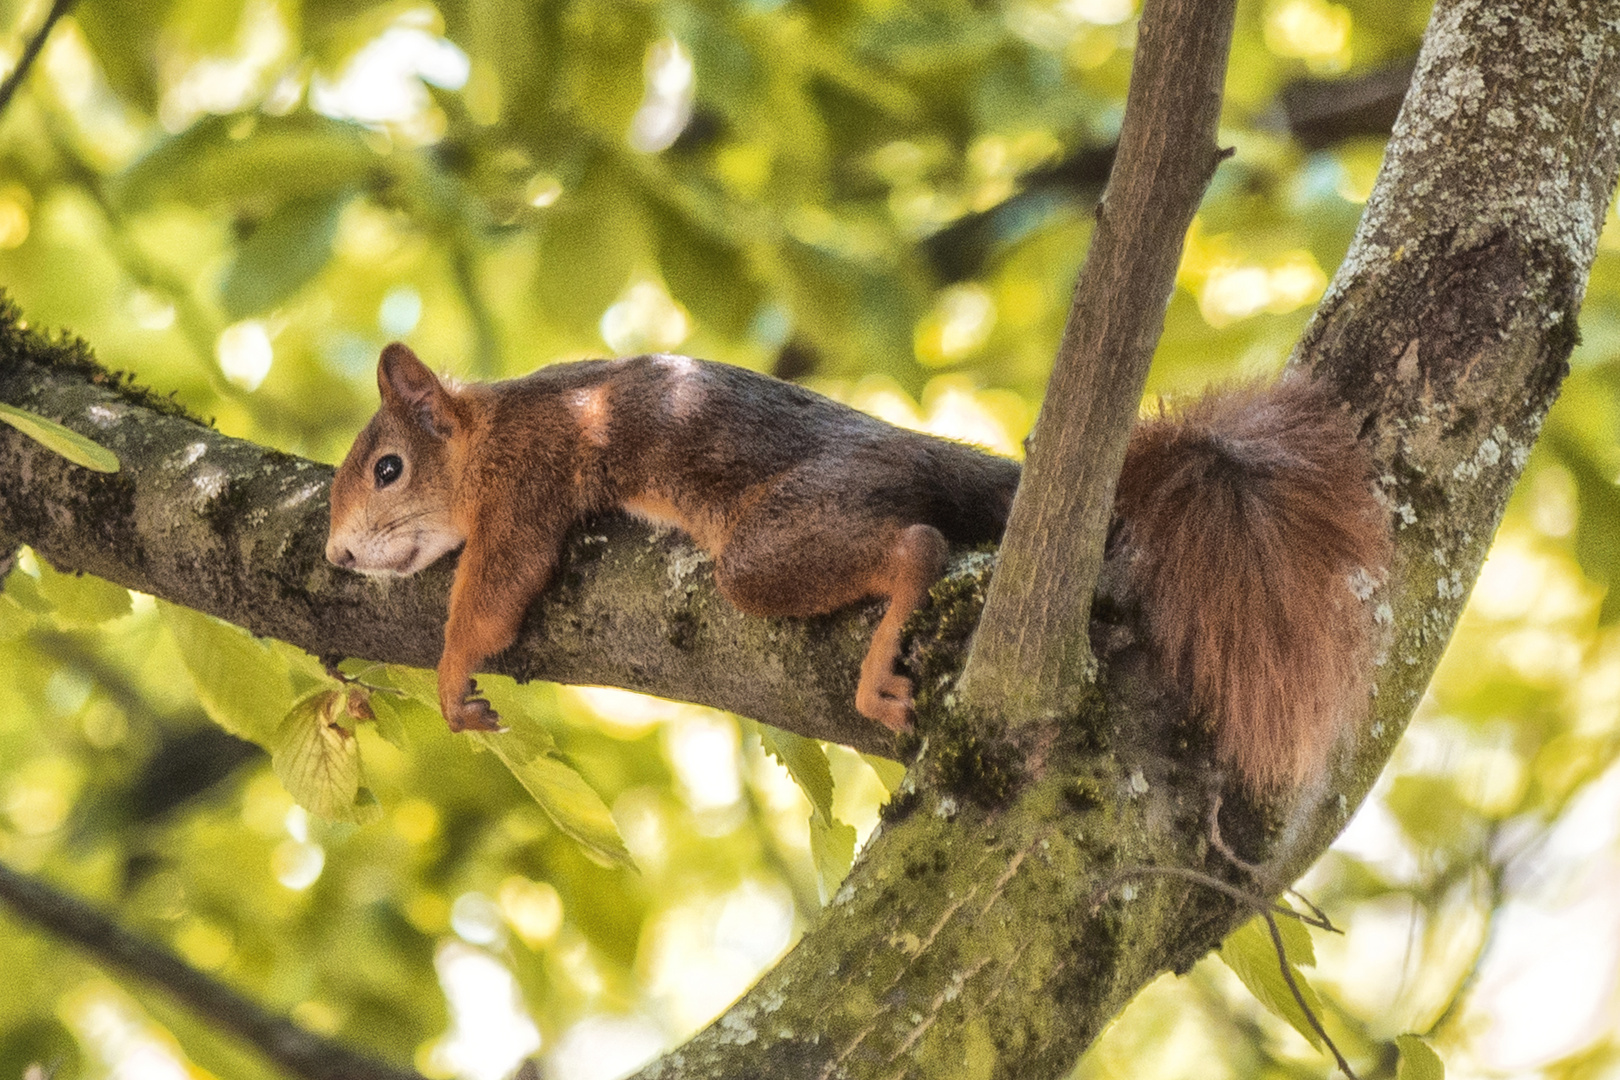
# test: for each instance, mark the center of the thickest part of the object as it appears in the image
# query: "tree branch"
(289, 1046)
(1446, 333)
(31, 52)
(238, 531)
(1030, 655)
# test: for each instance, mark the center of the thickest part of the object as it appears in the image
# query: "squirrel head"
(392, 497)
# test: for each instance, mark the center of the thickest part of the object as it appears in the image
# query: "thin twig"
(31, 52)
(300, 1052)
(1299, 995)
(1248, 899)
(1262, 876)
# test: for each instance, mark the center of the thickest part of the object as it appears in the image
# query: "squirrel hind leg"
(916, 561)
(770, 568)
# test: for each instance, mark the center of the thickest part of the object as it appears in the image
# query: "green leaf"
(890, 773)
(833, 849)
(81, 599)
(286, 250)
(806, 762)
(15, 620)
(123, 35)
(390, 712)
(64, 441)
(832, 842)
(587, 246)
(707, 275)
(1296, 938)
(21, 587)
(1418, 1060)
(1249, 952)
(573, 806)
(317, 759)
(241, 683)
(250, 161)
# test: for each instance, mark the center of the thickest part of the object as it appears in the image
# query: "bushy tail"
(1254, 525)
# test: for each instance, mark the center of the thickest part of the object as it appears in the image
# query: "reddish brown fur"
(1246, 515)
(806, 505)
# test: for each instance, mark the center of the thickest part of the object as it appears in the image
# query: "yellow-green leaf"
(833, 849)
(14, 618)
(1249, 952)
(571, 804)
(317, 759)
(241, 683)
(891, 773)
(21, 587)
(65, 441)
(1418, 1060)
(81, 599)
(806, 762)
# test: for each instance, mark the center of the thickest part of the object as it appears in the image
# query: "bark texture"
(238, 530)
(1030, 658)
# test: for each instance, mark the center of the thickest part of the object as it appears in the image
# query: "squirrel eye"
(388, 469)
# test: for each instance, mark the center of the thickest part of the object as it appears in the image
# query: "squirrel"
(1241, 519)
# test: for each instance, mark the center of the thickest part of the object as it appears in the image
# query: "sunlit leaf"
(1249, 952)
(241, 683)
(571, 804)
(1418, 1060)
(832, 846)
(64, 441)
(81, 599)
(806, 762)
(317, 758)
(890, 773)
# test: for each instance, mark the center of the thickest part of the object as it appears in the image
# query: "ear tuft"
(408, 385)
(402, 378)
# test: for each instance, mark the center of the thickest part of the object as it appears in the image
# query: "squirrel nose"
(340, 556)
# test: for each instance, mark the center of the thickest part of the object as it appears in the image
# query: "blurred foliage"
(242, 200)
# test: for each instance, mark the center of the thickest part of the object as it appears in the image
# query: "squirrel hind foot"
(886, 699)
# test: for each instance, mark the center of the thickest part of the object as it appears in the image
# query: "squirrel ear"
(406, 384)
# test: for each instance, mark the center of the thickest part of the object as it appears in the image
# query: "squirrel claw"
(889, 702)
(474, 714)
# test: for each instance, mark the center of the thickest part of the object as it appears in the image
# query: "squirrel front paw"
(886, 699)
(471, 713)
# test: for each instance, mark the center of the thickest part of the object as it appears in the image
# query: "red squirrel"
(1244, 516)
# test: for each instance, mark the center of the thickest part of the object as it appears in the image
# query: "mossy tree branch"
(238, 530)
(965, 941)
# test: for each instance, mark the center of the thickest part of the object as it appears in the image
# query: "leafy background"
(242, 200)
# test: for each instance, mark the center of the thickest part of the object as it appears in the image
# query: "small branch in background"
(1324, 112)
(1299, 995)
(1248, 899)
(1031, 656)
(486, 341)
(301, 1053)
(31, 51)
